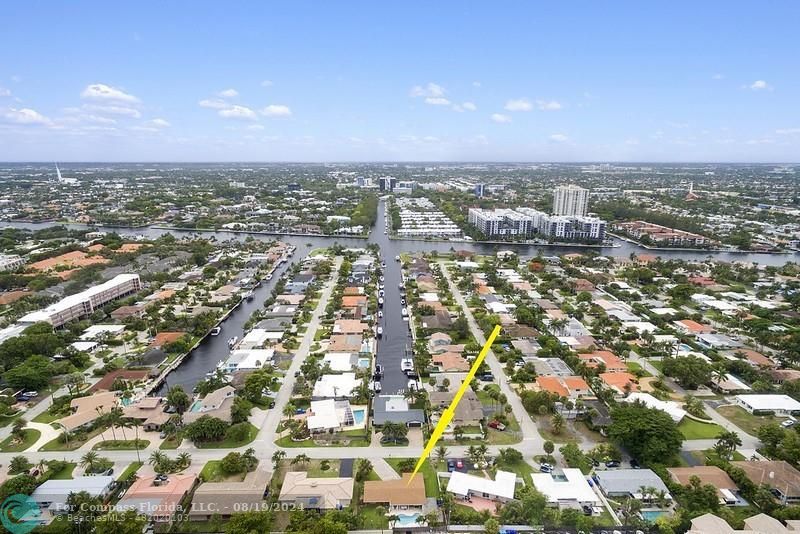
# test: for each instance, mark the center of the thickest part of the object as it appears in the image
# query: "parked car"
(459, 464)
(788, 423)
(497, 425)
(545, 468)
(451, 466)
(635, 463)
(487, 377)
(587, 510)
(612, 463)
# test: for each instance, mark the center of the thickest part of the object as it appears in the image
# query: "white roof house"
(248, 359)
(780, 404)
(672, 408)
(98, 329)
(329, 414)
(502, 487)
(567, 489)
(255, 338)
(338, 361)
(335, 386)
(53, 494)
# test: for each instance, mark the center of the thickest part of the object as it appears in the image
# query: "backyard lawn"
(692, 429)
(129, 471)
(427, 471)
(228, 443)
(64, 474)
(745, 420)
(11, 444)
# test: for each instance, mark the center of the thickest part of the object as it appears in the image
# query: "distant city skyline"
(451, 81)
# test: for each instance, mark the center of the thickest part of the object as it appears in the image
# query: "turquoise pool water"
(683, 347)
(358, 416)
(196, 405)
(406, 520)
(652, 515)
(364, 363)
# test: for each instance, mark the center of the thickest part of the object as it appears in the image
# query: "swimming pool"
(683, 347)
(196, 405)
(364, 363)
(358, 416)
(652, 515)
(406, 520)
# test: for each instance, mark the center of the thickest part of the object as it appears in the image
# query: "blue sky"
(448, 81)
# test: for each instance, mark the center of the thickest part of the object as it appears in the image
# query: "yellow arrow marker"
(447, 415)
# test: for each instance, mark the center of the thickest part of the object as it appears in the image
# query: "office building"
(570, 200)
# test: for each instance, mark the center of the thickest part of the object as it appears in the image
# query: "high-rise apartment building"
(570, 200)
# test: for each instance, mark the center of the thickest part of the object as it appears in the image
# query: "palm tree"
(301, 459)
(557, 422)
(277, 458)
(184, 459)
(89, 460)
(157, 458)
(289, 410)
(473, 454)
(482, 451)
(441, 454)
(135, 423)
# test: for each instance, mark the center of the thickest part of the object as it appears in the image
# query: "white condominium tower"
(570, 200)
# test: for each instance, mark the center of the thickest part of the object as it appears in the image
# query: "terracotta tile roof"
(397, 492)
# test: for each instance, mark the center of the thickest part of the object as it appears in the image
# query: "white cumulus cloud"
(469, 106)
(101, 91)
(548, 105)
(430, 90)
(229, 93)
(267, 83)
(276, 110)
(759, 85)
(519, 104)
(213, 103)
(238, 112)
(114, 110)
(25, 116)
(500, 118)
(159, 123)
(437, 101)
(559, 138)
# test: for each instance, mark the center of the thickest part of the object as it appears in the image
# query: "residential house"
(395, 409)
(157, 499)
(468, 412)
(501, 489)
(708, 474)
(316, 493)
(222, 499)
(405, 493)
(566, 490)
(775, 403)
(628, 483)
(217, 404)
(52, 494)
(780, 475)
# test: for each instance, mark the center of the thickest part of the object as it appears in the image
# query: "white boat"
(232, 341)
(215, 331)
